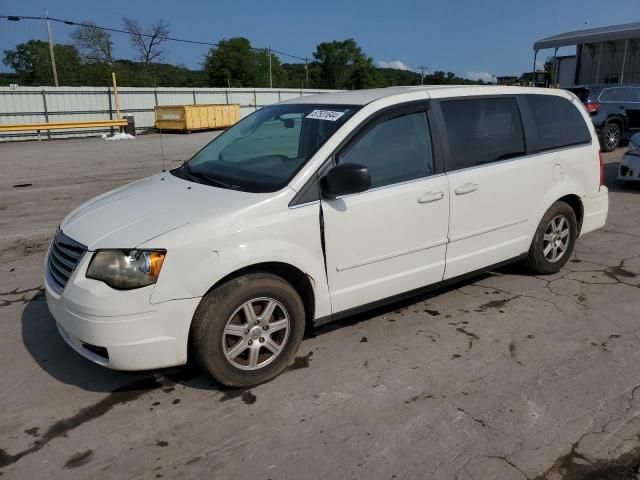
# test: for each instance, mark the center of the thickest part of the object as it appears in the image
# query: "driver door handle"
(466, 188)
(429, 197)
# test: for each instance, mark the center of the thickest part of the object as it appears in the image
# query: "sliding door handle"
(429, 197)
(466, 188)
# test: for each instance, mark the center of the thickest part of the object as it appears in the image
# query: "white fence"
(77, 104)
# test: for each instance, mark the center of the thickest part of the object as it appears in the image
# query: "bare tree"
(148, 42)
(94, 43)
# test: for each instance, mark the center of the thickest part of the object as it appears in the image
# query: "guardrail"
(24, 127)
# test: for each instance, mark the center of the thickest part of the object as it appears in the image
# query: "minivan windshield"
(263, 151)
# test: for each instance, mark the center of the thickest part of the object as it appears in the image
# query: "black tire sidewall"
(217, 307)
(536, 259)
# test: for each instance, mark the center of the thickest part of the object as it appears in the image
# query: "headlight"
(126, 269)
(634, 148)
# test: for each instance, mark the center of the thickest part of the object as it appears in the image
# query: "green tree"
(344, 65)
(32, 63)
(231, 63)
(234, 62)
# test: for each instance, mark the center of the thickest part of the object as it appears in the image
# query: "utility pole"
(306, 72)
(422, 69)
(53, 58)
(270, 77)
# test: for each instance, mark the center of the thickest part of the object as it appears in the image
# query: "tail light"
(591, 107)
(601, 168)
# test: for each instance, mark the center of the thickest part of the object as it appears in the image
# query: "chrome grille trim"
(64, 256)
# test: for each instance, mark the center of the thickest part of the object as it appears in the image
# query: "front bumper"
(629, 169)
(121, 329)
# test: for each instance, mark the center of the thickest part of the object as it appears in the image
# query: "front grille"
(63, 258)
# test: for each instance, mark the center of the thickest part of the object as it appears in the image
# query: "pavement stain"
(433, 313)
(301, 362)
(574, 466)
(416, 398)
(79, 459)
(246, 395)
(616, 272)
(495, 304)
(61, 428)
(32, 431)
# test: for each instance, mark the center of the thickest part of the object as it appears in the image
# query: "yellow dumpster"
(196, 117)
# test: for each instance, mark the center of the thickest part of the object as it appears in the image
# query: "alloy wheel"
(256, 333)
(612, 137)
(556, 238)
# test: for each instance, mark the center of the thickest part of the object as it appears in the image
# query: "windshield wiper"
(216, 182)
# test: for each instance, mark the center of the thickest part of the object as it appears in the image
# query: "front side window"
(394, 151)
(558, 122)
(263, 151)
(482, 131)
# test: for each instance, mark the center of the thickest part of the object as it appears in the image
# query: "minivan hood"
(133, 214)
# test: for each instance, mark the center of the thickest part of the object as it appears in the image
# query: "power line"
(17, 18)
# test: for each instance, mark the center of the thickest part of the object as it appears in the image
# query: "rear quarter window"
(558, 122)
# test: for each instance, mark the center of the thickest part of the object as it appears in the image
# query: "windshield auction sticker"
(325, 115)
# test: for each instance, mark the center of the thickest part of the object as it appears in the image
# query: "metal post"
(53, 57)
(46, 113)
(624, 59)
(226, 94)
(555, 78)
(270, 77)
(533, 72)
(306, 72)
(195, 102)
(600, 48)
(110, 108)
(576, 72)
(115, 94)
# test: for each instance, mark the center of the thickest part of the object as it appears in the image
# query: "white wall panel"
(69, 104)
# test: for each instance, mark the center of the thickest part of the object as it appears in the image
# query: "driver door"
(391, 238)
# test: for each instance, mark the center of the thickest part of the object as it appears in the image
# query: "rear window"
(482, 131)
(558, 122)
(581, 93)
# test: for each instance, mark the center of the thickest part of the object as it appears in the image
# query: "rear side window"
(558, 122)
(394, 151)
(482, 131)
(619, 94)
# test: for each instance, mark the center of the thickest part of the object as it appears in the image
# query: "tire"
(541, 257)
(611, 135)
(239, 348)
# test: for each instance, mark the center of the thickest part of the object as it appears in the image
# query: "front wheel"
(247, 330)
(554, 240)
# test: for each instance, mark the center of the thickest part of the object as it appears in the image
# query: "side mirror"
(289, 122)
(344, 179)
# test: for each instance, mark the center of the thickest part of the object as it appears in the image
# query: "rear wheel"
(247, 330)
(611, 135)
(554, 240)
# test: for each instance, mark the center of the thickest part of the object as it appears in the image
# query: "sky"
(473, 38)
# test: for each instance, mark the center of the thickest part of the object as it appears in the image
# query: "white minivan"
(314, 209)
